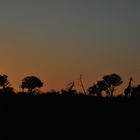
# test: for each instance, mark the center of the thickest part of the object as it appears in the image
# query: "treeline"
(30, 86)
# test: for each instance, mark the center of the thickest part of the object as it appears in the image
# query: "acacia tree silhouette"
(31, 83)
(112, 81)
(108, 84)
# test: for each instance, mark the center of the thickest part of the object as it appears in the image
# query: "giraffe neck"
(130, 83)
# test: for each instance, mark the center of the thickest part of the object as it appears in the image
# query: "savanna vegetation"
(96, 102)
(30, 86)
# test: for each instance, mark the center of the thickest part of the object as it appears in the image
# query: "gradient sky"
(57, 40)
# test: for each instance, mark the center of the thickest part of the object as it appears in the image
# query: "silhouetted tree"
(4, 81)
(112, 81)
(5, 88)
(31, 83)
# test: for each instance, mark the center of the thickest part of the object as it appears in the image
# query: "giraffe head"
(131, 79)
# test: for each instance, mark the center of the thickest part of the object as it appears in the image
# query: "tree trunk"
(82, 85)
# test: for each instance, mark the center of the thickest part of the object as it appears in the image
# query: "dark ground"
(68, 114)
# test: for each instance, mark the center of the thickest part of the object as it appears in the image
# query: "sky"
(57, 40)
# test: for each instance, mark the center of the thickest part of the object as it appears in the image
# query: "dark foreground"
(55, 116)
(50, 102)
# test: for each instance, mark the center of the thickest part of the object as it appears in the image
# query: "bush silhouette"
(70, 90)
(136, 91)
(31, 83)
(97, 89)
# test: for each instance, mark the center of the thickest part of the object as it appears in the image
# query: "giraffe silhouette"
(129, 88)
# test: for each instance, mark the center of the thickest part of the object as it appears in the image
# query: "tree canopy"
(4, 81)
(31, 83)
